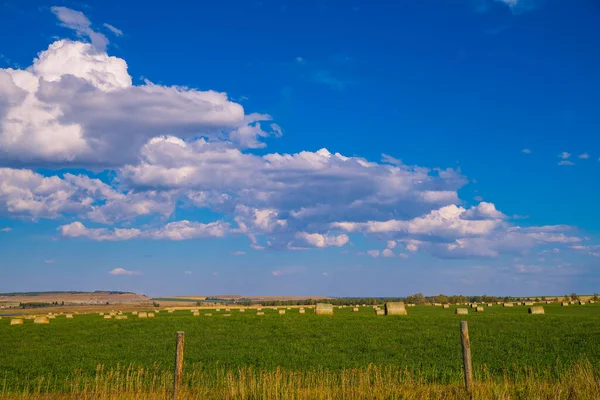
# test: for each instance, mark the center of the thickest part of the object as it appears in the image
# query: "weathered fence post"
(466, 346)
(178, 363)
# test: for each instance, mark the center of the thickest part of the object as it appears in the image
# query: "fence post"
(466, 347)
(178, 363)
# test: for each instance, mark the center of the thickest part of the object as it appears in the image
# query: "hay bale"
(479, 309)
(227, 315)
(227, 310)
(242, 310)
(218, 310)
(260, 313)
(208, 314)
(564, 304)
(121, 317)
(396, 308)
(51, 317)
(379, 312)
(507, 305)
(281, 311)
(474, 305)
(196, 314)
(324, 309)
(143, 314)
(528, 303)
(69, 316)
(536, 310)
(16, 321)
(446, 306)
(591, 301)
(461, 311)
(355, 309)
(301, 311)
(41, 320)
(150, 315)
(259, 309)
(101, 314)
(581, 303)
(289, 308)
(490, 304)
(134, 313)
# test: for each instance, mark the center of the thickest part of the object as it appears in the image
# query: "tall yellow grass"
(581, 381)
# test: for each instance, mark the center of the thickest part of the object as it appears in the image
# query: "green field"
(506, 342)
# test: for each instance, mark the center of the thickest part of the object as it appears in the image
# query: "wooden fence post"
(466, 347)
(178, 363)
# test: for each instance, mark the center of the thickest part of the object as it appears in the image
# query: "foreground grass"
(580, 381)
(514, 354)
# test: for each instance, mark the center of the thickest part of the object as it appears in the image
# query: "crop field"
(421, 349)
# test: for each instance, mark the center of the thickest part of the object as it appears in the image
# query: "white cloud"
(564, 155)
(187, 272)
(373, 253)
(318, 240)
(49, 261)
(584, 156)
(387, 253)
(239, 253)
(526, 151)
(7, 229)
(277, 273)
(180, 230)
(68, 108)
(113, 29)
(566, 163)
(391, 244)
(122, 271)
(77, 21)
(402, 255)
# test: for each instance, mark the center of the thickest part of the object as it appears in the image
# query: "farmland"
(507, 343)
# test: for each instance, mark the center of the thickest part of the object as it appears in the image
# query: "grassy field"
(424, 348)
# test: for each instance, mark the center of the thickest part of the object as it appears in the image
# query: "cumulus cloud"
(373, 253)
(318, 240)
(76, 105)
(122, 271)
(387, 253)
(180, 230)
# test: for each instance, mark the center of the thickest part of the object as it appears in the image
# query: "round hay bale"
(69, 316)
(355, 309)
(260, 313)
(227, 310)
(134, 313)
(16, 321)
(396, 308)
(507, 305)
(289, 308)
(581, 303)
(479, 309)
(446, 306)
(259, 309)
(324, 309)
(150, 315)
(536, 310)
(208, 314)
(281, 311)
(101, 314)
(142, 314)
(242, 310)
(218, 310)
(379, 312)
(490, 304)
(227, 315)
(564, 304)
(301, 311)
(196, 314)
(474, 305)
(591, 301)
(461, 311)
(108, 317)
(121, 317)
(41, 320)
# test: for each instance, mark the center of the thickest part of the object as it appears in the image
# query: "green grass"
(505, 342)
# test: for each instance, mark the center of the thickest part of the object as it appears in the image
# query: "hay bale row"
(324, 309)
(396, 308)
(461, 311)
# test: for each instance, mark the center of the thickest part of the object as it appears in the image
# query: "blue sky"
(343, 148)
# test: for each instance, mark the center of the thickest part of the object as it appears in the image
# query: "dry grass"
(581, 381)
